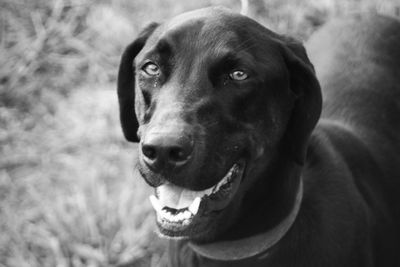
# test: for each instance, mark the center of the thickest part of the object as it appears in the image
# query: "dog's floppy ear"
(307, 107)
(126, 84)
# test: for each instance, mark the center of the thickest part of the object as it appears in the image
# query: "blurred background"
(69, 195)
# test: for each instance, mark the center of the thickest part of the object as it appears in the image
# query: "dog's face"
(214, 102)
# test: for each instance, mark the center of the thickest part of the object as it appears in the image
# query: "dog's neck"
(255, 244)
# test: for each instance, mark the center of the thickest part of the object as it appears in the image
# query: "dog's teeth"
(167, 215)
(173, 218)
(180, 216)
(222, 182)
(227, 178)
(155, 203)
(194, 207)
(163, 214)
(186, 214)
(209, 191)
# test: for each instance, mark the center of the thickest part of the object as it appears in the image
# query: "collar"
(253, 245)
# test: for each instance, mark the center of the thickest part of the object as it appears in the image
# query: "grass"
(69, 195)
(72, 198)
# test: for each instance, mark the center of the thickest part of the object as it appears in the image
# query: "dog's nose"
(161, 151)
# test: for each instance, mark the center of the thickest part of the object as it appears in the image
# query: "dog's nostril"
(149, 151)
(165, 151)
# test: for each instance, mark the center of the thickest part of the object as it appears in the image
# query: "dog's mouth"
(179, 209)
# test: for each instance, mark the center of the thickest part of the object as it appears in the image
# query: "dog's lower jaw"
(223, 220)
(254, 245)
(182, 213)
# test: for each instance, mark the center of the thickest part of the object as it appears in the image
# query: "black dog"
(227, 117)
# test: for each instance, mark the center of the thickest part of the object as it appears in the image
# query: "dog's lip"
(177, 208)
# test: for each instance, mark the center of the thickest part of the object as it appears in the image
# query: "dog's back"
(357, 61)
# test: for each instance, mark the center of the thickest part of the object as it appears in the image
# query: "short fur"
(348, 162)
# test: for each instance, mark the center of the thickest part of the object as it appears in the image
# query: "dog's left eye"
(151, 69)
(238, 75)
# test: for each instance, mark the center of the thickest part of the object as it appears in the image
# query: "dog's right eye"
(151, 69)
(238, 75)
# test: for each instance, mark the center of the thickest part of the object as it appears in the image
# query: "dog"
(253, 160)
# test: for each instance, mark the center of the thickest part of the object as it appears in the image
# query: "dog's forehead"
(209, 34)
(204, 25)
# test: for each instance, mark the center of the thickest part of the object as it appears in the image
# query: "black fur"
(348, 162)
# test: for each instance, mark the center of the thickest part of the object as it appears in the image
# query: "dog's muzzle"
(178, 208)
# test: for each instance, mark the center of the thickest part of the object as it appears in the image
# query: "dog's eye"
(238, 75)
(151, 69)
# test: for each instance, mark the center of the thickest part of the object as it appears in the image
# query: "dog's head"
(219, 101)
